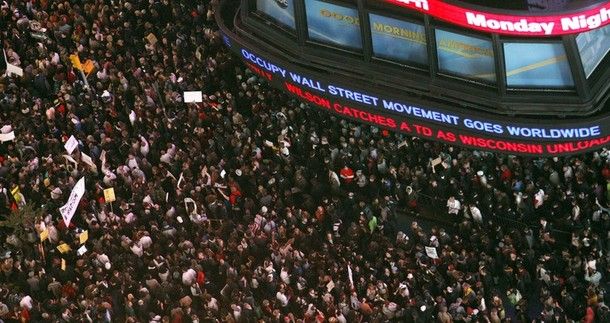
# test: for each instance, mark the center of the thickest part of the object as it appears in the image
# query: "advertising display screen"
(593, 47)
(537, 65)
(465, 56)
(333, 24)
(398, 40)
(281, 11)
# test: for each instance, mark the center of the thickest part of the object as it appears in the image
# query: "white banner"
(7, 136)
(71, 144)
(350, 276)
(13, 69)
(193, 96)
(67, 211)
(431, 252)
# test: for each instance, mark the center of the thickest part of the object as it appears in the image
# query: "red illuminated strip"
(520, 25)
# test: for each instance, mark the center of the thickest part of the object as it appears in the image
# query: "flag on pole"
(76, 62)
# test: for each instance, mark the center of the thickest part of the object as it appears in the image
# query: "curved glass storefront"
(533, 85)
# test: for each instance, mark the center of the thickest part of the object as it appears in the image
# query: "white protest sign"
(87, 160)
(10, 68)
(350, 276)
(13, 69)
(71, 144)
(431, 252)
(70, 159)
(187, 201)
(7, 136)
(435, 162)
(67, 211)
(193, 96)
(81, 251)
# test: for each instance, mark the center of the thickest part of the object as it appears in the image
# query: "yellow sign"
(63, 248)
(63, 264)
(16, 194)
(88, 67)
(109, 195)
(84, 236)
(76, 62)
(44, 235)
(152, 39)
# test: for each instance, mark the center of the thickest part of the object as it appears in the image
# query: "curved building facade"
(523, 77)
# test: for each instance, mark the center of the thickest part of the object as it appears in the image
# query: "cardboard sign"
(109, 195)
(84, 237)
(63, 248)
(152, 39)
(44, 235)
(193, 96)
(71, 144)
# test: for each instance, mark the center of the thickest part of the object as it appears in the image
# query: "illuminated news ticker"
(469, 130)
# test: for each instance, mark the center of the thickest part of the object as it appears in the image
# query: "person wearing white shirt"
(476, 214)
(145, 242)
(453, 206)
(26, 302)
(281, 297)
(137, 250)
(189, 277)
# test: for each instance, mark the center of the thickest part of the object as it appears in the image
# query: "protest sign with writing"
(67, 211)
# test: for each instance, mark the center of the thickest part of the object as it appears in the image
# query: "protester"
(253, 207)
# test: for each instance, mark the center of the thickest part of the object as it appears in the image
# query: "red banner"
(519, 25)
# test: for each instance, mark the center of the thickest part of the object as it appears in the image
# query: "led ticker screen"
(466, 56)
(476, 131)
(398, 40)
(282, 11)
(333, 24)
(537, 65)
(593, 47)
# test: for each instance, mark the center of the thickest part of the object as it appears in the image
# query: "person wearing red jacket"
(347, 174)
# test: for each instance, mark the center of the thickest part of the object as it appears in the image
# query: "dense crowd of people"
(253, 207)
